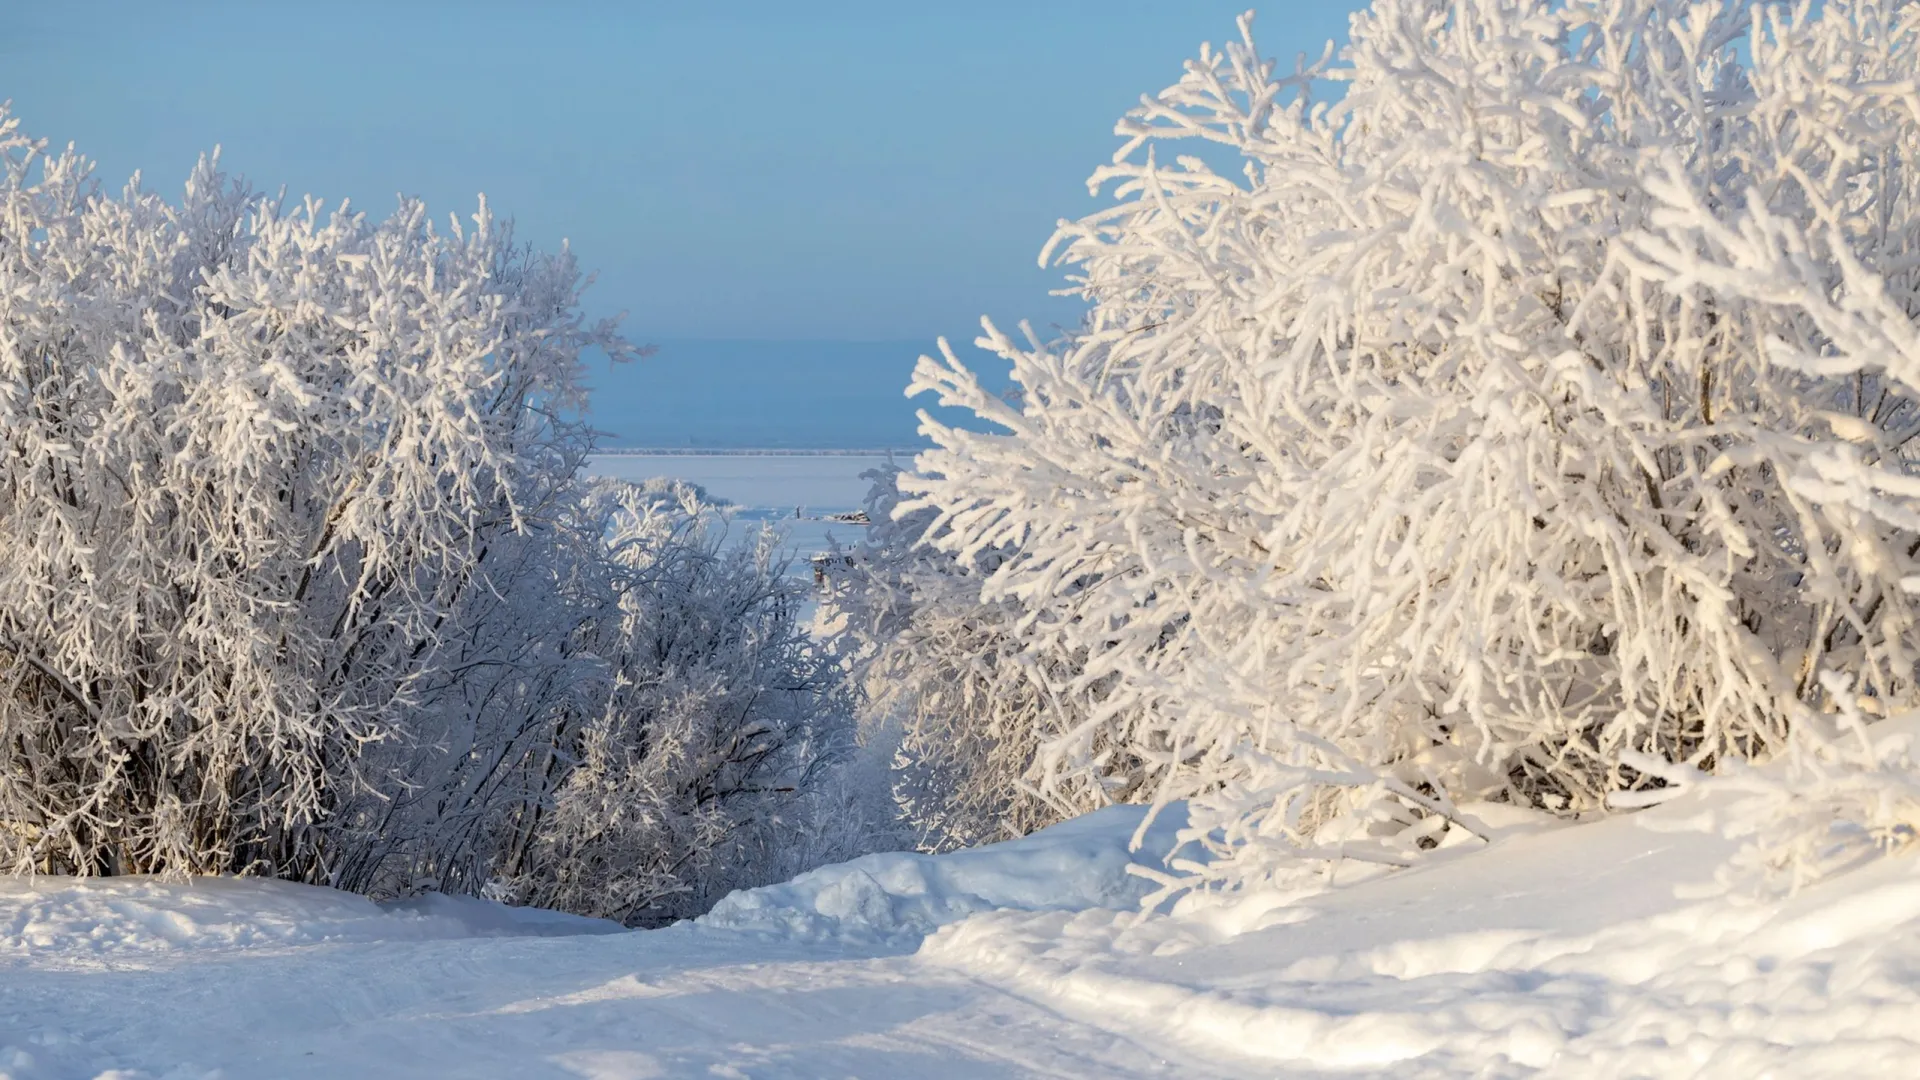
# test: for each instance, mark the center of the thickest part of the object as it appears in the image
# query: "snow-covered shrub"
(256, 460)
(1825, 238)
(303, 579)
(450, 796)
(702, 769)
(947, 680)
(1435, 456)
(1816, 244)
(636, 725)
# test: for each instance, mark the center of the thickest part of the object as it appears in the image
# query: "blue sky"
(771, 172)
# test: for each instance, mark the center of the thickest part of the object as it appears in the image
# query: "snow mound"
(1609, 948)
(103, 917)
(900, 897)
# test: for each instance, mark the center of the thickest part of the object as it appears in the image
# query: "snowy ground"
(1568, 951)
(792, 491)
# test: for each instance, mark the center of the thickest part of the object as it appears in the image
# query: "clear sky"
(823, 171)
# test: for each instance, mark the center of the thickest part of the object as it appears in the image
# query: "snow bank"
(1611, 948)
(102, 917)
(900, 897)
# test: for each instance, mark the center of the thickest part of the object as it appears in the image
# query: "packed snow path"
(664, 1004)
(1571, 951)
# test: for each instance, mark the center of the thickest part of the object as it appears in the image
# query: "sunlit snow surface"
(1560, 951)
(794, 492)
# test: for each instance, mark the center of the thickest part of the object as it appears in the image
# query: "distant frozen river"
(767, 487)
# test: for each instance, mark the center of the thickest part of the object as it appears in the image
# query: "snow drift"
(899, 897)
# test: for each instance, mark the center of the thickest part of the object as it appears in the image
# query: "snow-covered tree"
(1428, 459)
(304, 578)
(452, 796)
(256, 459)
(1823, 240)
(705, 766)
(947, 682)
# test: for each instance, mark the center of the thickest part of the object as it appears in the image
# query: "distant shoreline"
(705, 451)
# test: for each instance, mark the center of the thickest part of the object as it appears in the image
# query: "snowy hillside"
(1558, 950)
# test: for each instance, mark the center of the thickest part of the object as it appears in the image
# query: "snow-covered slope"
(1590, 950)
(1573, 951)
